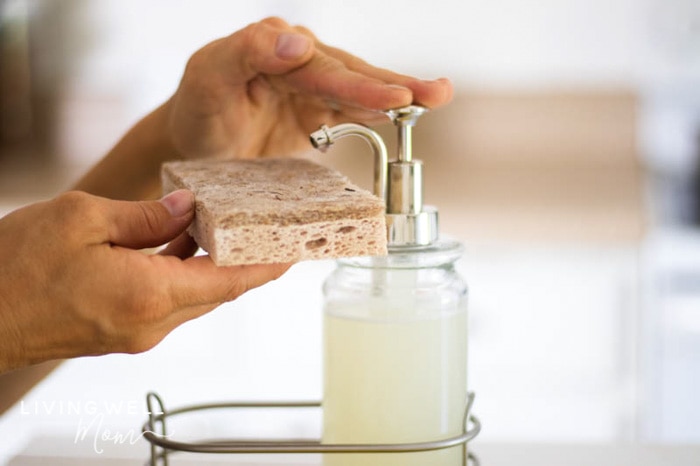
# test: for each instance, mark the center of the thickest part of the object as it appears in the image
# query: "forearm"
(131, 170)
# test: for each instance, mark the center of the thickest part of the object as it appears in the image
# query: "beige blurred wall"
(531, 166)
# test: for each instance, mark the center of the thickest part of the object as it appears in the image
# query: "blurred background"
(568, 163)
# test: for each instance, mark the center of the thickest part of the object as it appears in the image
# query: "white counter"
(48, 451)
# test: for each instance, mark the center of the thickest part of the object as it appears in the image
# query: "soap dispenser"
(395, 327)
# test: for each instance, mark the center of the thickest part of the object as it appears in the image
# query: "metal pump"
(399, 182)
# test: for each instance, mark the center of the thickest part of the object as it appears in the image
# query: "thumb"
(270, 46)
(150, 223)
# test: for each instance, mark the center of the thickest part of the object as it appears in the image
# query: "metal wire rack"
(155, 432)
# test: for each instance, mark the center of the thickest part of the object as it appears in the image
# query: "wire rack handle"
(159, 437)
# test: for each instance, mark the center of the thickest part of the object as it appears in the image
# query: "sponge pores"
(277, 210)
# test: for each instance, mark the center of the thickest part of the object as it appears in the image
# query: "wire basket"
(156, 433)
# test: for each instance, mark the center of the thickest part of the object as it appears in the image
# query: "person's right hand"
(262, 90)
(74, 282)
(258, 92)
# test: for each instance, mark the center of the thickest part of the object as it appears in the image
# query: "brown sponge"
(277, 210)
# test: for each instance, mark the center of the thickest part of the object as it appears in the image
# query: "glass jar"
(395, 355)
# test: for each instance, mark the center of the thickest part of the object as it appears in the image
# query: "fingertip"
(434, 93)
(272, 47)
(398, 96)
(184, 246)
(179, 202)
(447, 89)
(292, 46)
(399, 91)
(281, 269)
(378, 96)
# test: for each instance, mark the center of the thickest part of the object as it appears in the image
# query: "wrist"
(163, 143)
(131, 170)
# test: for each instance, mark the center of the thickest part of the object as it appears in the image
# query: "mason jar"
(395, 355)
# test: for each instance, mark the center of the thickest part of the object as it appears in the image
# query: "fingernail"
(179, 202)
(292, 45)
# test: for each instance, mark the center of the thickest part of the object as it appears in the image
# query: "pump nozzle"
(409, 222)
(324, 137)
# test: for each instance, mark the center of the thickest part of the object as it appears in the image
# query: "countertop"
(488, 454)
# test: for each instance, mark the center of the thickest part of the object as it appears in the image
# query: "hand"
(73, 281)
(263, 89)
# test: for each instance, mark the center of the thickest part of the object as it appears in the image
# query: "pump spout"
(324, 137)
(399, 183)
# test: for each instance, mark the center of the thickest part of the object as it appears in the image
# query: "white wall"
(138, 48)
(135, 51)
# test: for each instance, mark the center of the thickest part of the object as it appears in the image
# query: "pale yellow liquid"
(394, 382)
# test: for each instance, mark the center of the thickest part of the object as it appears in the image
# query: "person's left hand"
(74, 281)
(263, 89)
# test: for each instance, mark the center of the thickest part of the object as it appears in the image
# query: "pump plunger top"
(409, 222)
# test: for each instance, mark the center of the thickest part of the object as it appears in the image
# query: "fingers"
(150, 223)
(182, 247)
(328, 78)
(270, 46)
(296, 62)
(182, 290)
(430, 94)
(198, 281)
(119, 299)
(347, 81)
